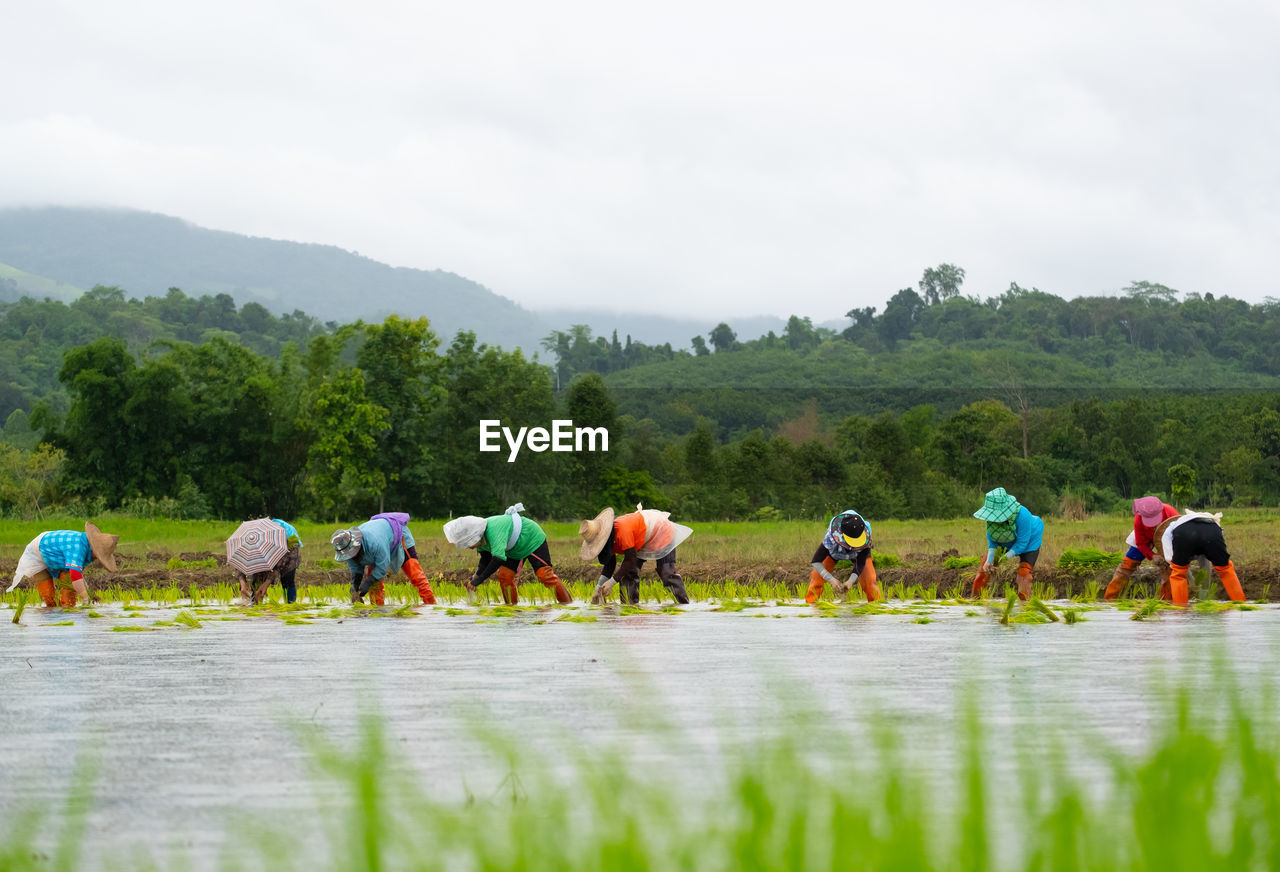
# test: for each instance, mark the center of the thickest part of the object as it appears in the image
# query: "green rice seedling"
(93, 614)
(930, 593)
(569, 618)
(922, 620)
(1081, 561)
(61, 624)
(970, 613)
(1148, 608)
(961, 562)
(162, 623)
(1091, 590)
(897, 591)
(20, 608)
(1072, 616)
(133, 629)
(405, 611)
(188, 620)
(1043, 609)
(1010, 601)
(884, 561)
(743, 605)
(178, 564)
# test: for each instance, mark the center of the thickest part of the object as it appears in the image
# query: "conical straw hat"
(595, 533)
(102, 546)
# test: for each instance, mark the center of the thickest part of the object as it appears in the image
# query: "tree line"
(299, 419)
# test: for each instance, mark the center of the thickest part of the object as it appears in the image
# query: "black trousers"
(629, 579)
(1194, 538)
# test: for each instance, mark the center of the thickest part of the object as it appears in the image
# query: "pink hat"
(1150, 510)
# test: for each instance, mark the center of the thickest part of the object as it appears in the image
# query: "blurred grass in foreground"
(1204, 794)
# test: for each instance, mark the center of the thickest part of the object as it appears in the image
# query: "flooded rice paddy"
(190, 728)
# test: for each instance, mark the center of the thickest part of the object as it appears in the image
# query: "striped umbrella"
(257, 546)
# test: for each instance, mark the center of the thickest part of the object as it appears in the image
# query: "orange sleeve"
(628, 532)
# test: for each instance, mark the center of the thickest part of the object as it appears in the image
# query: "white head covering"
(465, 531)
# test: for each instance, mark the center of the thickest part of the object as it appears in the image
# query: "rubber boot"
(66, 598)
(290, 593)
(867, 580)
(507, 584)
(413, 569)
(817, 582)
(1178, 584)
(1024, 580)
(674, 582)
(980, 581)
(378, 594)
(1121, 579)
(629, 592)
(46, 590)
(1165, 593)
(549, 579)
(1230, 582)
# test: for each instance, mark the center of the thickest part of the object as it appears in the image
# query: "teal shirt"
(376, 550)
(497, 531)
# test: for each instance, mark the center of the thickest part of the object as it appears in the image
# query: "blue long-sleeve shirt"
(376, 538)
(1027, 532)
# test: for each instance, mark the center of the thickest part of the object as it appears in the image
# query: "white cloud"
(699, 157)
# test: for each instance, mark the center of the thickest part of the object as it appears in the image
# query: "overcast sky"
(687, 157)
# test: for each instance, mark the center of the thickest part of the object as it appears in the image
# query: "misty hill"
(59, 252)
(146, 254)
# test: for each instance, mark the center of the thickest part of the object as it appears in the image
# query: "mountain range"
(59, 252)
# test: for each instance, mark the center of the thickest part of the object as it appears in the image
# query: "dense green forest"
(186, 406)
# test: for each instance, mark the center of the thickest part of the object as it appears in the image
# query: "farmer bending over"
(55, 552)
(1190, 535)
(504, 542)
(1148, 513)
(254, 587)
(848, 537)
(376, 548)
(1013, 530)
(644, 534)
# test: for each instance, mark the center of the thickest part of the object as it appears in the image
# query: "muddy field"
(138, 571)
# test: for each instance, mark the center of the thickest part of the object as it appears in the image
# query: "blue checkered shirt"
(65, 549)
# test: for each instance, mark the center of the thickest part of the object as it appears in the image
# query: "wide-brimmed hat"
(1157, 538)
(346, 543)
(1150, 510)
(102, 546)
(595, 533)
(998, 506)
